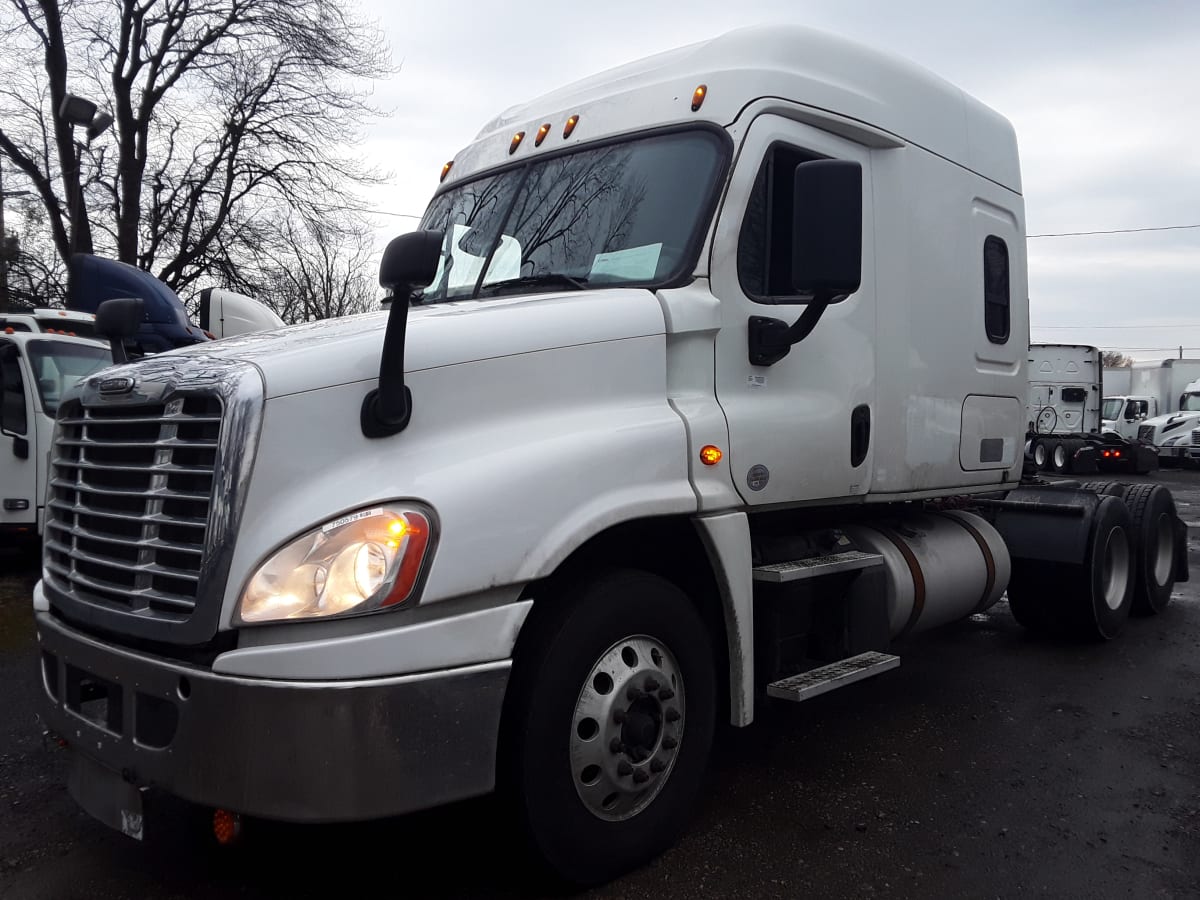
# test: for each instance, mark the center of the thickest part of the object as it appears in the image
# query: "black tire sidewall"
(1147, 503)
(586, 621)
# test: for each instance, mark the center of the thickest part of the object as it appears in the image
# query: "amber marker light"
(446, 170)
(698, 96)
(516, 142)
(541, 135)
(570, 126)
(710, 455)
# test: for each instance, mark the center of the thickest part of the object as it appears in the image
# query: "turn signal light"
(570, 126)
(710, 455)
(698, 96)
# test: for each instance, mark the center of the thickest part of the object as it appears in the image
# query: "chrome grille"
(1196, 437)
(1146, 433)
(128, 503)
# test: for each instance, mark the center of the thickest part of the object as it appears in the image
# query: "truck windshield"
(628, 213)
(1190, 403)
(1112, 407)
(57, 365)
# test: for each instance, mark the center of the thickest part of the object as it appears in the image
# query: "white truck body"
(564, 493)
(1064, 389)
(1117, 380)
(53, 321)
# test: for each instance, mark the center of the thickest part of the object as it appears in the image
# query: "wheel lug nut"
(651, 685)
(624, 768)
(657, 765)
(619, 716)
(666, 694)
(669, 742)
(672, 715)
(615, 745)
(640, 776)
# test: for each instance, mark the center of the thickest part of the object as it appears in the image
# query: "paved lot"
(991, 764)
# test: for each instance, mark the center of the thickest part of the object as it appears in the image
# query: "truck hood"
(341, 351)
(1178, 419)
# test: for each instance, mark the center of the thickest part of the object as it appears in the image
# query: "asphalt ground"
(992, 763)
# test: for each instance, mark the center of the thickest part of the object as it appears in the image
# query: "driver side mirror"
(826, 252)
(827, 229)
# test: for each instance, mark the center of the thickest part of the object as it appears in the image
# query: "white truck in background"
(43, 353)
(573, 498)
(1064, 432)
(1117, 380)
(1162, 408)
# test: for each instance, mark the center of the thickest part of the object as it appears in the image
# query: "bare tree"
(316, 270)
(226, 112)
(1115, 359)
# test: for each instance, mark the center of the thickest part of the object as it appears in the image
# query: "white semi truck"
(1064, 430)
(704, 383)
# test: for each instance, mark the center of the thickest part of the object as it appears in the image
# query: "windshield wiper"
(545, 279)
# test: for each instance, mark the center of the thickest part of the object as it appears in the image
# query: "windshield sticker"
(634, 264)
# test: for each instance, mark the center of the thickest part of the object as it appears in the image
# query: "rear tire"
(1152, 509)
(1060, 457)
(1042, 454)
(1091, 600)
(598, 760)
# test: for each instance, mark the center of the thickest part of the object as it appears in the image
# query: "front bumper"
(296, 751)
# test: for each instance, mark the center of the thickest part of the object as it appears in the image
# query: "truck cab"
(1176, 434)
(690, 371)
(37, 370)
(1125, 414)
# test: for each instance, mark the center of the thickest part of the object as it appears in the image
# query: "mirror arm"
(387, 409)
(772, 339)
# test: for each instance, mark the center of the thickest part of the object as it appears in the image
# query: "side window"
(765, 241)
(995, 290)
(12, 392)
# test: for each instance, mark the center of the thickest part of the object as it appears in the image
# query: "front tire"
(610, 721)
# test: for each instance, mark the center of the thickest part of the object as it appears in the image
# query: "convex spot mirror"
(827, 229)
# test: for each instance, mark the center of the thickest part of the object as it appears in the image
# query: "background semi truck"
(44, 352)
(704, 383)
(1064, 431)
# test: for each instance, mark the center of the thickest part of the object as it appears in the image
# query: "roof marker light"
(570, 126)
(541, 135)
(698, 96)
(516, 142)
(446, 171)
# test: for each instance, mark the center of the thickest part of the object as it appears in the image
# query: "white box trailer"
(1161, 407)
(573, 498)
(1117, 380)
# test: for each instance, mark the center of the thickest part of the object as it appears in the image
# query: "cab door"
(800, 429)
(18, 464)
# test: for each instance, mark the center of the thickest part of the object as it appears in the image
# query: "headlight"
(358, 563)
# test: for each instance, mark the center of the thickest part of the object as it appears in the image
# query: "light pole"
(78, 111)
(4, 195)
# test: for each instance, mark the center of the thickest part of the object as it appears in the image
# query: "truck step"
(828, 678)
(816, 566)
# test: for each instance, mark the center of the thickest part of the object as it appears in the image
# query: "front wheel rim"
(627, 728)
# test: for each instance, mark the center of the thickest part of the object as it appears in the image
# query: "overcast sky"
(1105, 98)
